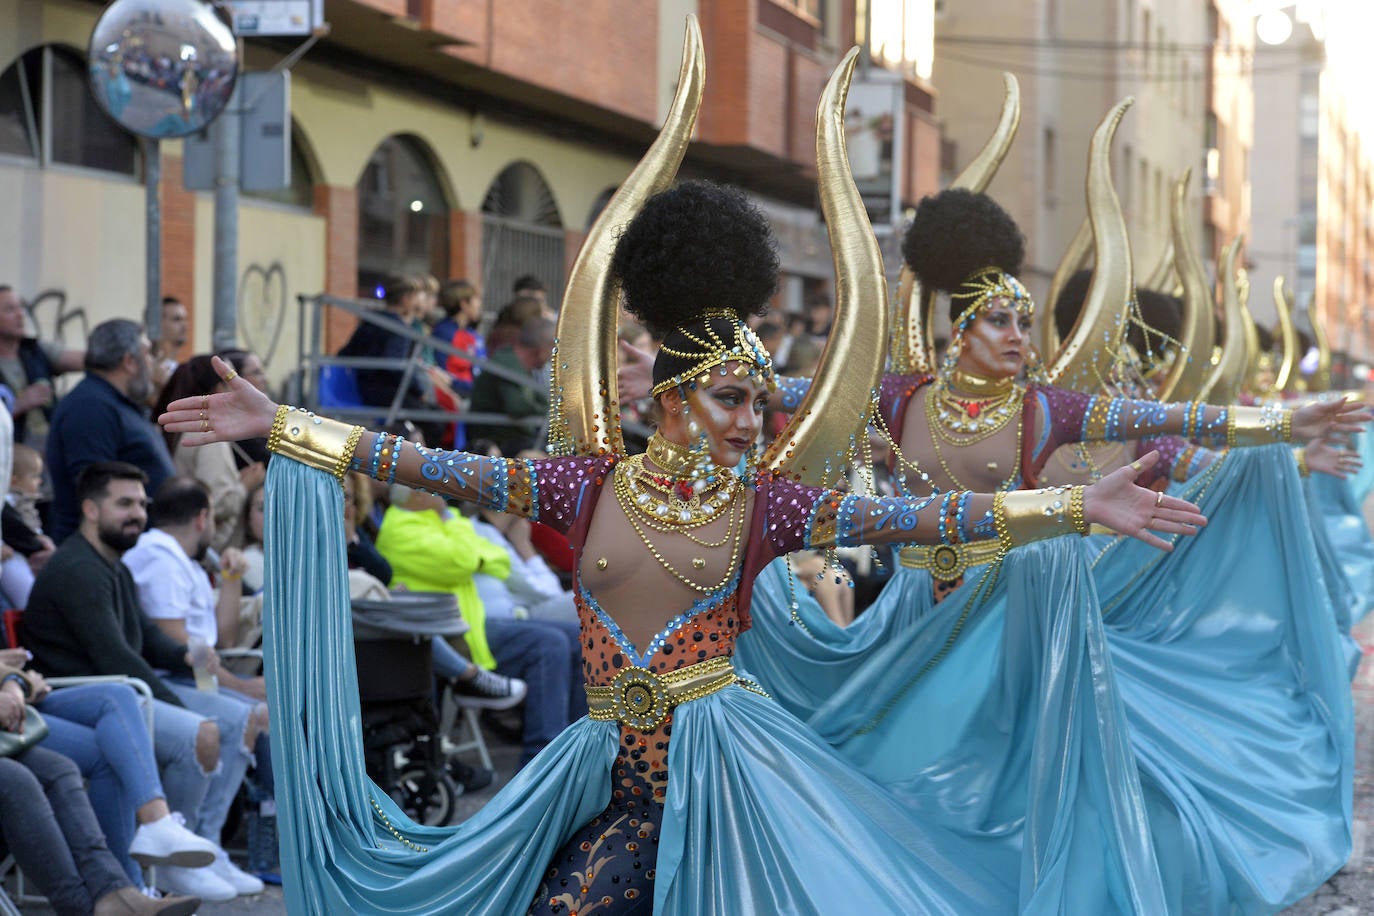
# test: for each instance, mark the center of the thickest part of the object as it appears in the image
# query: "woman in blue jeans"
(101, 728)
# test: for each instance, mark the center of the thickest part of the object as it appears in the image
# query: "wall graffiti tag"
(50, 317)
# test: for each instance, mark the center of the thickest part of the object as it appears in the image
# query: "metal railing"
(311, 358)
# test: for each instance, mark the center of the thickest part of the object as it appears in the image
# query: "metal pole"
(224, 324)
(152, 217)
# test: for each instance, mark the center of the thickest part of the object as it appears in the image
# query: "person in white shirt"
(176, 593)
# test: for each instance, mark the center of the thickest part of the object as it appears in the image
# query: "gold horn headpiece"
(1085, 359)
(583, 414)
(1228, 372)
(1193, 366)
(818, 440)
(913, 346)
(1286, 378)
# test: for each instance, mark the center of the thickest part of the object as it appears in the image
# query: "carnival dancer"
(1239, 723)
(744, 810)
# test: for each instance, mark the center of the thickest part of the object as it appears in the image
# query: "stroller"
(401, 746)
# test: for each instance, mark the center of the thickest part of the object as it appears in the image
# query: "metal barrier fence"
(304, 387)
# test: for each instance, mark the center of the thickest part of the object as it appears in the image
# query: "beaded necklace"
(965, 421)
(646, 514)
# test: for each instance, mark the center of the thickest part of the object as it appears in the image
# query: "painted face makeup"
(729, 410)
(994, 343)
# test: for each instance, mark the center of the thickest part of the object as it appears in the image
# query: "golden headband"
(713, 350)
(985, 285)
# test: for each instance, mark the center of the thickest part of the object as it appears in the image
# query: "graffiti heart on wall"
(262, 308)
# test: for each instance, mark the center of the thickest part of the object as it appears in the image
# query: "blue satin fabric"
(1014, 738)
(761, 815)
(1338, 507)
(1222, 730)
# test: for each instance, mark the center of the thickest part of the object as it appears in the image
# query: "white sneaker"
(243, 883)
(195, 882)
(167, 842)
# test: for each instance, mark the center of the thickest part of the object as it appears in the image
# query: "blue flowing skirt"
(1182, 718)
(761, 815)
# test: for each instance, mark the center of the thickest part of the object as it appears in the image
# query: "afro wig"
(958, 232)
(695, 247)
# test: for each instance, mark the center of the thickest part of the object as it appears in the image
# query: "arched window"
(521, 234)
(44, 96)
(301, 191)
(402, 215)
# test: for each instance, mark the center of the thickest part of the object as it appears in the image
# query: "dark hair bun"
(958, 232)
(695, 247)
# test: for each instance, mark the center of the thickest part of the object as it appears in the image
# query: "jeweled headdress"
(978, 292)
(705, 347)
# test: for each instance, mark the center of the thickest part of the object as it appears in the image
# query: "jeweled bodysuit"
(612, 858)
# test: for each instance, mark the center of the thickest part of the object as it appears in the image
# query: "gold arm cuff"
(947, 562)
(317, 441)
(1258, 426)
(1023, 516)
(642, 699)
(1300, 456)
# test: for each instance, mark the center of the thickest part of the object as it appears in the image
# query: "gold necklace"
(669, 503)
(1015, 464)
(949, 416)
(734, 532)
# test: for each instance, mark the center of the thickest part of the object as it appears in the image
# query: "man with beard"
(104, 419)
(84, 618)
(175, 593)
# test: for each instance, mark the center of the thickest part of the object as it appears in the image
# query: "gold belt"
(948, 562)
(642, 699)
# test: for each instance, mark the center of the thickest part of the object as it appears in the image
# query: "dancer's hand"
(634, 376)
(1320, 419)
(1327, 457)
(1118, 503)
(242, 412)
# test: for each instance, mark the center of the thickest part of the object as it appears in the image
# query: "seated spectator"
(532, 591)
(174, 590)
(84, 618)
(100, 727)
(213, 464)
(23, 528)
(104, 419)
(497, 394)
(28, 367)
(49, 828)
(432, 548)
(254, 563)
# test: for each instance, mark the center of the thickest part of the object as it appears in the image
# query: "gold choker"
(672, 459)
(978, 386)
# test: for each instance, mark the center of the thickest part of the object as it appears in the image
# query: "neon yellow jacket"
(428, 553)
